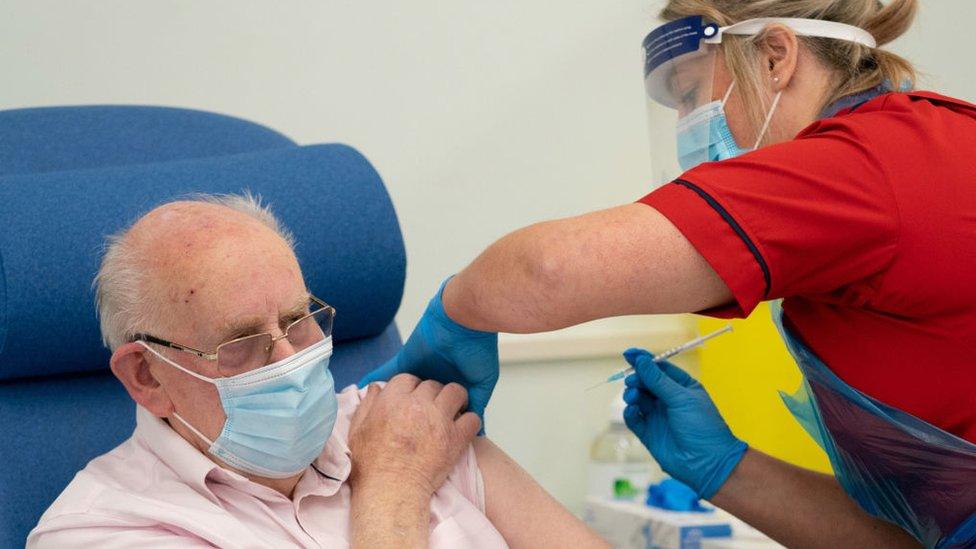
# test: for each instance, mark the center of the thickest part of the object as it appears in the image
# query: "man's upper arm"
(521, 510)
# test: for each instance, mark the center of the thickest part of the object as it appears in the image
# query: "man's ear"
(129, 364)
(780, 50)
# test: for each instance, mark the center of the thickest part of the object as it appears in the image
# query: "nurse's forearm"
(801, 508)
(625, 260)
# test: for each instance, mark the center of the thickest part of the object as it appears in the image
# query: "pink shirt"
(155, 489)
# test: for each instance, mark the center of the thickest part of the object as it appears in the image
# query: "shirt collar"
(187, 462)
(855, 100)
(332, 467)
(334, 461)
(174, 451)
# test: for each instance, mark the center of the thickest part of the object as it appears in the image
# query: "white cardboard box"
(633, 525)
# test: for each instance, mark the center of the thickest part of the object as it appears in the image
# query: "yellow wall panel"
(744, 372)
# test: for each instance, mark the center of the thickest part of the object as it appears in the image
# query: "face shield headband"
(667, 46)
(679, 69)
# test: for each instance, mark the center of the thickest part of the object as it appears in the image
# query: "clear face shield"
(686, 118)
(679, 68)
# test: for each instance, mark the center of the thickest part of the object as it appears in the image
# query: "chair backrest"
(52, 139)
(59, 406)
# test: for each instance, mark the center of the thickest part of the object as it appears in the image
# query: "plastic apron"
(894, 465)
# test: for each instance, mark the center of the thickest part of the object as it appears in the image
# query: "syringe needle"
(698, 341)
(612, 378)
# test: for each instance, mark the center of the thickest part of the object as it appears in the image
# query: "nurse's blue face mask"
(280, 415)
(704, 135)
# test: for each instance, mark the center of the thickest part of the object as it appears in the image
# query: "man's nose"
(282, 349)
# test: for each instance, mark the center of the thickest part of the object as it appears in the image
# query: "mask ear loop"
(728, 94)
(769, 118)
(192, 373)
(192, 428)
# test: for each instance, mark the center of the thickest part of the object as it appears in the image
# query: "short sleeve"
(466, 477)
(808, 216)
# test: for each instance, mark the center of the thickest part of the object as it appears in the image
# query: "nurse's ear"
(779, 49)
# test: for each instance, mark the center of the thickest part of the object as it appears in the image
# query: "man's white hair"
(123, 300)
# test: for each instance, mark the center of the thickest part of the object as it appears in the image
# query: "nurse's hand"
(674, 417)
(443, 350)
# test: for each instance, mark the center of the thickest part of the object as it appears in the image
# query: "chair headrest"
(348, 243)
(51, 139)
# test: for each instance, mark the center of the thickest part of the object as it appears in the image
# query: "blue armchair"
(71, 175)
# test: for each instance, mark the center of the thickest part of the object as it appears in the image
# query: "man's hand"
(410, 432)
(404, 440)
(445, 351)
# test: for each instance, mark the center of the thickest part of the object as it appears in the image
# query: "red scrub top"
(866, 225)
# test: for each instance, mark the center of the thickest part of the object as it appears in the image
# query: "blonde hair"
(855, 68)
(123, 301)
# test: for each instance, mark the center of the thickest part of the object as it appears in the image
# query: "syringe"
(698, 341)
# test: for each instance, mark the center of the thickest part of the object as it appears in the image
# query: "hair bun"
(892, 21)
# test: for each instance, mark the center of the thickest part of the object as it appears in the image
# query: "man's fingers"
(428, 389)
(468, 426)
(452, 399)
(370, 397)
(365, 404)
(403, 383)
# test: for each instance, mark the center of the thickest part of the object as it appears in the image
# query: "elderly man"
(241, 439)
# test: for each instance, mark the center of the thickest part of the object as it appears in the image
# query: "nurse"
(812, 172)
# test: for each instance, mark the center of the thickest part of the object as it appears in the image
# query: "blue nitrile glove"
(674, 417)
(443, 350)
(674, 495)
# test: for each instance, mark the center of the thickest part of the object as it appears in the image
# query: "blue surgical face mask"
(279, 417)
(704, 134)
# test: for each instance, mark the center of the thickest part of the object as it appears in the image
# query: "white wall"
(481, 116)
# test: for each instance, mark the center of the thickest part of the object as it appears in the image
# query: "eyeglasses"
(254, 351)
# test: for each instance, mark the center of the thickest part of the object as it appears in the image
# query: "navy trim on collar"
(854, 101)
